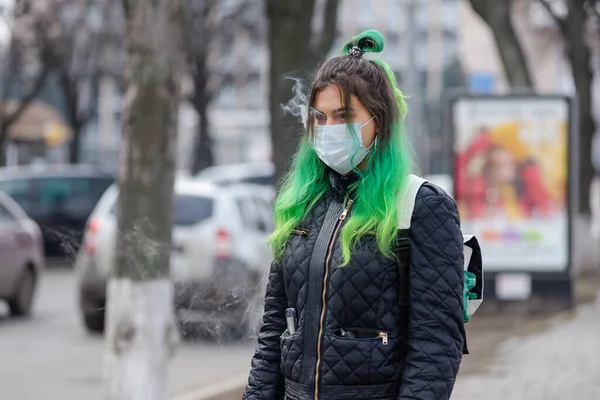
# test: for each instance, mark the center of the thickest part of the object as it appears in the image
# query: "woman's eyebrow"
(336, 111)
(315, 111)
(342, 109)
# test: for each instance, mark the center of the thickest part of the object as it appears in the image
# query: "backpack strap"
(407, 200)
(406, 205)
(473, 270)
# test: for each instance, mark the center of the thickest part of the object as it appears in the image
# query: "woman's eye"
(342, 116)
(320, 119)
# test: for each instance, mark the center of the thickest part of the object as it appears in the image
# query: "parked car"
(21, 256)
(256, 173)
(58, 198)
(218, 254)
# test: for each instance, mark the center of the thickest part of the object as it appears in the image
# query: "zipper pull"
(344, 213)
(384, 338)
(346, 209)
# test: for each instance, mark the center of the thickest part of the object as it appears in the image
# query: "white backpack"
(473, 266)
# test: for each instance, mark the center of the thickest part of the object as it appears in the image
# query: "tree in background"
(497, 15)
(213, 26)
(29, 40)
(76, 41)
(141, 330)
(88, 45)
(295, 50)
(574, 26)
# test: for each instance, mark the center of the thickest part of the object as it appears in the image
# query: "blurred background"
(62, 91)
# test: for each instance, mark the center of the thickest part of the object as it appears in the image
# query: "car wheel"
(94, 321)
(20, 304)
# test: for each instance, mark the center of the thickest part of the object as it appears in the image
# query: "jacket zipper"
(323, 296)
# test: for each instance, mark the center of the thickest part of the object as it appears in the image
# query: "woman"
(497, 177)
(362, 330)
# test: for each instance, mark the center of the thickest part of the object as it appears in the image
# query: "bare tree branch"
(561, 23)
(497, 15)
(594, 8)
(29, 97)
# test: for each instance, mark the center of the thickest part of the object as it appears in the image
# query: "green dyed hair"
(376, 194)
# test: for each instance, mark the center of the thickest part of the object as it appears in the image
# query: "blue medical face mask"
(340, 146)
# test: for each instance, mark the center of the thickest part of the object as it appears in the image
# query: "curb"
(226, 389)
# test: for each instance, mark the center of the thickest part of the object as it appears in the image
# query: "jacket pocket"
(291, 353)
(370, 357)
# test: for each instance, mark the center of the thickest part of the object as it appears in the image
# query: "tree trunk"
(328, 31)
(580, 58)
(3, 143)
(203, 153)
(75, 121)
(75, 143)
(290, 35)
(141, 330)
(496, 14)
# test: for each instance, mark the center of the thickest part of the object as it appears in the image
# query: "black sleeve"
(436, 325)
(265, 381)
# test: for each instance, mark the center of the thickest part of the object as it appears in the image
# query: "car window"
(99, 186)
(261, 221)
(6, 216)
(19, 191)
(189, 209)
(254, 215)
(266, 209)
(68, 194)
(247, 210)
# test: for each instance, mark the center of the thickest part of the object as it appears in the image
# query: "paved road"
(50, 356)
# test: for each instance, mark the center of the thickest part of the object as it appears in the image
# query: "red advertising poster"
(511, 167)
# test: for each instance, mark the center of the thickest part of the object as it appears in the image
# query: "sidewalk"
(228, 389)
(225, 369)
(562, 362)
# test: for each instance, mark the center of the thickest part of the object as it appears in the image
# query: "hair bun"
(369, 41)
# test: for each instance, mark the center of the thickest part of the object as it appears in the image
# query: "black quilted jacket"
(406, 337)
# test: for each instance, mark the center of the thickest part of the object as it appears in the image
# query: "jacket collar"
(340, 183)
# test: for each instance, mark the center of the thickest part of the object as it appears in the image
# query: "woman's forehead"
(330, 100)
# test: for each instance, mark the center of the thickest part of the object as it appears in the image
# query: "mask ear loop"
(376, 133)
(367, 123)
(373, 145)
(370, 148)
